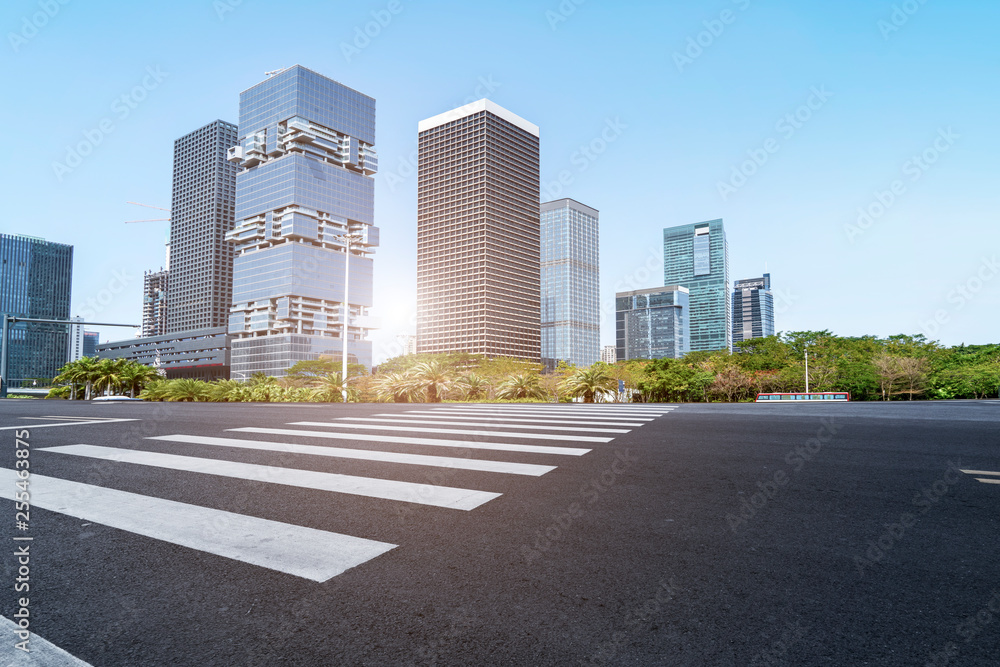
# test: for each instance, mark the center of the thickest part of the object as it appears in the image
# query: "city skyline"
(833, 161)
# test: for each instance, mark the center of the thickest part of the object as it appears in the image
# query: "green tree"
(589, 382)
(519, 386)
(473, 386)
(433, 377)
(395, 387)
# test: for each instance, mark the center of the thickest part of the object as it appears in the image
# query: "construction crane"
(149, 219)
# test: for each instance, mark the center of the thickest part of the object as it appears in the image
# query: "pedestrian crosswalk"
(984, 476)
(474, 438)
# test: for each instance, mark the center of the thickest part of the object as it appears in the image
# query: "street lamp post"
(807, 369)
(348, 239)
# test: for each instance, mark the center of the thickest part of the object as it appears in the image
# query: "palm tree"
(186, 389)
(87, 373)
(588, 382)
(227, 391)
(522, 385)
(329, 388)
(432, 377)
(395, 387)
(473, 386)
(70, 374)
(109, 374)
(135, 376)
(155, 390)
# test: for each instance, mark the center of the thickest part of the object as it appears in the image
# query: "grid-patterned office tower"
(201, 213)
(697, 257)
(307, 158)
(753, 308)
(652, 323)
(155, 285)
(478, 255)
(571, 322)
(36, 279)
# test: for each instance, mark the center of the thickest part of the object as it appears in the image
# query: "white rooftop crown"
(473, 108)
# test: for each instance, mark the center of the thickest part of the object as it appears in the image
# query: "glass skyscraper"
(753, 308)
(570, 294)
(36, 280)
(201, 213)
(652, 323)
(478, 255)
(307, 158)
(697, 257)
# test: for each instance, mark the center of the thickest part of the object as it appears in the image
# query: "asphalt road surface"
(248, 534)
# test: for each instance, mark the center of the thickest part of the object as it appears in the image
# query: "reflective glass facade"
(753, 308)
(652, 323)
(201, 214)
(569, 276)
(306, 161)
(478, 255)
(36, 279)
(697, 257)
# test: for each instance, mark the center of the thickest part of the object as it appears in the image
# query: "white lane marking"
(403, 440)
(41, 651)
(980, 472)
(986, 480)
(481, 423)
(366, 454)
(456, 431)
(515, 416)
(371, 487)
(304, 552)
(544, 409)
(560, 421)
(70, 423)
(562, 413)
(101, 419)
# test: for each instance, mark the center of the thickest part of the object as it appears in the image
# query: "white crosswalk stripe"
(424, 494)
(366, 454)
(433, 442)
(440, 431)
(993, 476)
(524, 420)
(434, 422)
(319, 554)
(304, 552)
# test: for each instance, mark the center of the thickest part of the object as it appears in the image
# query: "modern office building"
(201, 213)
(570, 298)
(154, 302)
(652, 323)
(697, 257)
(201, 354)
(609, 354)
(408, 343)
(753, 308)
(36, 278)
(478, 255)
(90, 341)
(306, 159)
(76, 340)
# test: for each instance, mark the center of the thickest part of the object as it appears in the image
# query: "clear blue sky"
(888, 91)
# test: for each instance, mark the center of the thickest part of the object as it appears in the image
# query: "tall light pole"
(807, 369)
(347, 239)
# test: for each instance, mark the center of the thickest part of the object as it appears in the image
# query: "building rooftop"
(474, 108)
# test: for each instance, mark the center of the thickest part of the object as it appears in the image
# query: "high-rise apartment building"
(609, 354)
(697, 257)
(571, 321)
(652, 323)
(307, 158)
(36, 280)
(478, 255)
(753, 308)
(201, 213)
(154, 302)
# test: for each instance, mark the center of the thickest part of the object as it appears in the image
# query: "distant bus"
(839, 396)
